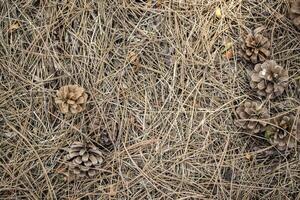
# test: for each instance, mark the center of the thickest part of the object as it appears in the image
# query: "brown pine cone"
(84, 159)
(105, 132)
(295, 13)
(284, 132)
(255, 47)
(269, 79)
(71, 98)
(251, 116)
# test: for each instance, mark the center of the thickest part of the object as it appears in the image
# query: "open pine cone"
(255, 47)
(295, 13)
(71, 98)
(106, 132)
(251, 115)
(269, 79)
(284, 132)
(84, 159)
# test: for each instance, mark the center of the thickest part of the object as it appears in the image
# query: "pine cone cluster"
(71, 98)
(251, 116)
(269, 79)
(84, 159)
(284, 132)
(295, 13)
(255, 47)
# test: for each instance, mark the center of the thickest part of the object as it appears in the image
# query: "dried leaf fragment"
(218, 12)
(14, 26)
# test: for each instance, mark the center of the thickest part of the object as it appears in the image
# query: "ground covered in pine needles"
(156, 77)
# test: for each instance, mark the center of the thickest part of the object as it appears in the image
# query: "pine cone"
(251, 115)
(295, 13)
(284, 133)
(256, 47)
(269, 79)
(71, 98)
(106, 132)
(84, 159)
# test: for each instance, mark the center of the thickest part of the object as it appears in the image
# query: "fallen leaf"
(218, 12)
(248, 156)
(134, 59)
(229, 54)
(149, 4)
(228, 45)
(14, 26)
(158, 4)
(131, 56)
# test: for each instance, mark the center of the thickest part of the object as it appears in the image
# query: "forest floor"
(158, 77)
